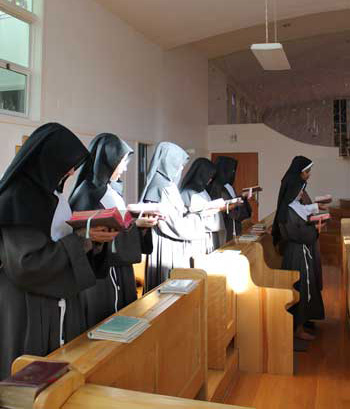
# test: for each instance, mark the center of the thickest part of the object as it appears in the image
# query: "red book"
(111, 218)
(20, 390)
(319, 217)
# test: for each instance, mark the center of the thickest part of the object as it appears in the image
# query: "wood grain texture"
(168, 358)
(322, 373)
(101, 397)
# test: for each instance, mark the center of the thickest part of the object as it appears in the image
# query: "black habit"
(116, 286)
(35, 271)
(297, 239)
(226, 168)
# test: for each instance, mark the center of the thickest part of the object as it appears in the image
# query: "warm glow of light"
(234, 265)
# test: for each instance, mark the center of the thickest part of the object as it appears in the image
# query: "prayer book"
(258, 228)
(20, 390)
(248, 238)
(111, 218)
(154, 209)
(319, 217)
(120, 328)
(325, 199)
(253, 189)
(178, 286)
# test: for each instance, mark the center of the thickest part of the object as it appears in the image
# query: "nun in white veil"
(170, 236)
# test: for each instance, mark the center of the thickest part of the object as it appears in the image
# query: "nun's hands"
(323, 206)
(101, 234)
(147, 222)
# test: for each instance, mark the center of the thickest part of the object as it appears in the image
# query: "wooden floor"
(322, 377)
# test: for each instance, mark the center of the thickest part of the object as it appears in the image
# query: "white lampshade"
(271, 56)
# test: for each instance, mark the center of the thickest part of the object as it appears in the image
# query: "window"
(144, 156)
(341, 138)
(15, 56)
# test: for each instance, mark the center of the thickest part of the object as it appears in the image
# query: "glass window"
(13, 87)
(26, 4)
(14, 40)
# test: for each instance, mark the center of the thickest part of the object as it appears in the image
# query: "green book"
(119, 324)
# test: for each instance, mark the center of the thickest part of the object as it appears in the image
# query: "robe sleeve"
(36, 264)
(178, 226)
(299, 231)
(243, 212)
(128, 247)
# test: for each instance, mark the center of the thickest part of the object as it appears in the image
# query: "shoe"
(310, 325)
(304, 336)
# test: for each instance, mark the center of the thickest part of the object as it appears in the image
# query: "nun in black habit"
(223, 187)
(299, 239)
(43, 265)
(195, 196)
(170, 237)
(98, 186)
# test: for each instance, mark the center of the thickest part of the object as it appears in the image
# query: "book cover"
(119, 324)
(111, 218)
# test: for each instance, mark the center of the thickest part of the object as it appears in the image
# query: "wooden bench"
(168, 358)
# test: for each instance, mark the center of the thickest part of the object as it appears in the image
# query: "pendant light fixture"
(271, 56)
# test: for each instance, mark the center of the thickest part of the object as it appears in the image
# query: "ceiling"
(172, 23)
(320, 70)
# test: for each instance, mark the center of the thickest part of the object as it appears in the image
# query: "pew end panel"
(168, 358)
(264, 326)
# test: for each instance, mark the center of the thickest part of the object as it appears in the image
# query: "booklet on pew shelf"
(20, 390)
(111, 218)
(319, 217)
(178, 286)
(120, 328)
(248, 238)
(258, 228)
(325, 199)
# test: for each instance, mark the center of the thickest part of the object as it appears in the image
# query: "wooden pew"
(345, 251)
(252, 325)
(70, 392)
(168, 358)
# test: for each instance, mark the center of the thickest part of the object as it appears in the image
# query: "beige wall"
(100, 75)
(330, 173)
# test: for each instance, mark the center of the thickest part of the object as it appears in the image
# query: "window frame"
(9, 7)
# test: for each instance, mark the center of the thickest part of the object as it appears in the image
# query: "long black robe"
(233, 220)
(226, 168)
(35, 273)
(300, 238)
(316, 250)
(116, 286)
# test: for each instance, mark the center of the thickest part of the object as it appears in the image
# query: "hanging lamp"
(271, 56)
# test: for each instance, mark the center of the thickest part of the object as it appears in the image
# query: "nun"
(195, 196)
(44, 266)
(99, 186)
(171, 235)
(222, 186)
(292, 229)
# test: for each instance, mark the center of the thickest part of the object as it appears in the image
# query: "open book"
(111, 218)
(219, 204)
(325, 199)
(155, 209)
(252, 189)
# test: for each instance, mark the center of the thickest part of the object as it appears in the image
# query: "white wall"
(100, 75)
(329, 175)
